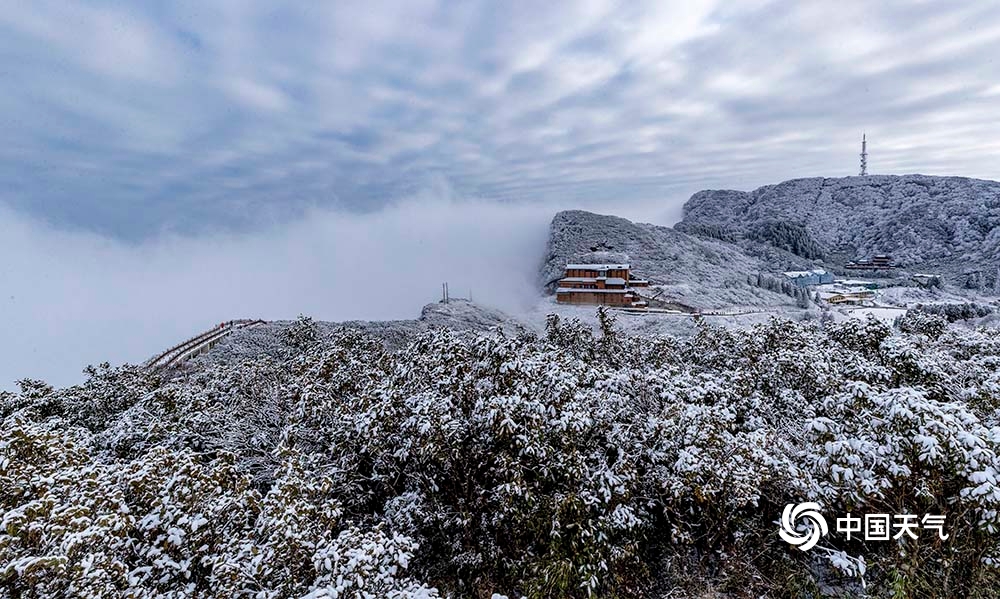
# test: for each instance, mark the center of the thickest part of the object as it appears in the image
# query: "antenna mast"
(864, 155)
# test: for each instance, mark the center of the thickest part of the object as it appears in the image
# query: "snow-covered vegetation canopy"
(573, 465)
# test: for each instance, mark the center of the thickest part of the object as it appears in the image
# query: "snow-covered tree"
(576, 464)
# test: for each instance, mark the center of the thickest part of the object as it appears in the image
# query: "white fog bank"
(69, 299)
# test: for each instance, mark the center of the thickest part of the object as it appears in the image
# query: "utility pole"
(864, 155)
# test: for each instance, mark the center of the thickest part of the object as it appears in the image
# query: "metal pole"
(864, 155)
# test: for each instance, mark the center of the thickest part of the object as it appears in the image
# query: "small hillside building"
(807, 278)
(600, 284)
(877, 262)
(851, 297)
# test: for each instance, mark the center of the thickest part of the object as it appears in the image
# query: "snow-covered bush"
(577, 464)
(177, 524)
(518, 474)
(953, 312)
(922, 323)
(302, 334)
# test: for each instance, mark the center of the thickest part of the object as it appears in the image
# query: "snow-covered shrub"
(864, 336)
(898, 451)
(177, 524)
(367, 565)
(519, 476)
(954, 312)
(302, 334)
(922, 323)
(577, 464)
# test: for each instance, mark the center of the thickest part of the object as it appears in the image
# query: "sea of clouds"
(72, 298)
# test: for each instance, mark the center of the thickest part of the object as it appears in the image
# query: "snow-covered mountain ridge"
(697, 271)
(948, 226)
(945, 224)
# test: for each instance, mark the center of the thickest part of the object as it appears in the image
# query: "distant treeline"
(720, 232)
(793, 237)
(781, 285)
(954, 312)
(788, 236)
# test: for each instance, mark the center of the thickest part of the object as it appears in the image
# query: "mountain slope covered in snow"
(700, 272)
(943, 224)
(276, 338)
(570, 465)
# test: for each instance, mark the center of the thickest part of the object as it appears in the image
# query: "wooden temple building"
(595, 284)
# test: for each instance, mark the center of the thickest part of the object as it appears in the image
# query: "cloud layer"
(342, 159)
(69, 299)
(132, 119)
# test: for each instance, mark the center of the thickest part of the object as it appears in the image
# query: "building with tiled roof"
(596, 284)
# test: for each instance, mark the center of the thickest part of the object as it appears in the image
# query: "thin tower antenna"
(864, 155)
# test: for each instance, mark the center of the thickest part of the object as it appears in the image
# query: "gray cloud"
(131, 121)
(150, 149)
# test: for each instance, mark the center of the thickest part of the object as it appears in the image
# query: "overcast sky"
(167, 165)
(128, 118)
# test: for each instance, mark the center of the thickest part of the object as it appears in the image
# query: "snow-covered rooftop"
(614, 281)
(794, 274)
(854, 282)
(596, 266)
(574, 290)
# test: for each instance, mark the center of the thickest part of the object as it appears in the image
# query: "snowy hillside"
(272, 339)
(569, 452)
(573, 465)
(703, 273)
(946, 224)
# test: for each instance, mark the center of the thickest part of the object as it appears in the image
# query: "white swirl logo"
(807, 511)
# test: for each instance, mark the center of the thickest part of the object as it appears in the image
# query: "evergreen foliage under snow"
(575, 464)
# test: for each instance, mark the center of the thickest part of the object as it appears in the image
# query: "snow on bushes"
(177, 524)
(573, 465)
